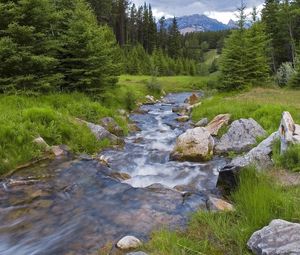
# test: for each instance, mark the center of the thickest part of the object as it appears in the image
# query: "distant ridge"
(198, 23)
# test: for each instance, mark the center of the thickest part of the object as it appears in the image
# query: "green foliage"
(154, 86)
(130, 101)
(51, 45)
(257, 201)
(244, 60)
(52, 117)
(294, 82)
(284, 74)
(289, 160)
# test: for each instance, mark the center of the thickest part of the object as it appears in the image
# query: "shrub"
(154, 86)
(284, 73)
(130, 100)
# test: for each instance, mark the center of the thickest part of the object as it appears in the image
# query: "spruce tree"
(174, 41)
(89, 54)
(28, 46)
(233, 59)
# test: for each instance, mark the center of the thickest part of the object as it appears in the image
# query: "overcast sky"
(223, 10)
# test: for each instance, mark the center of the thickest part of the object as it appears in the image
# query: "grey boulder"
(279, 238)
(240, 137)
(112, 126)
(259, 156)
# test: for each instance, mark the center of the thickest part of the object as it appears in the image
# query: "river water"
(76, 206)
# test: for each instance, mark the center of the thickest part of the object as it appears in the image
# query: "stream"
(76, 205)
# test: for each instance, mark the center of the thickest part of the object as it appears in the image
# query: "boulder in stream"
(129, 242)
(280, 237)
(240, 137)
(193, 99)
(182, 109)
(183, 118)
(194, 145)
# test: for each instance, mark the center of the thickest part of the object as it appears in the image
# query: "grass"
(265, 105)
(24, 118)
(169, 84)
(257, 201)
(289, 160)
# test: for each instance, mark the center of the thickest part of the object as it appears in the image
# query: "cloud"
(220, 9)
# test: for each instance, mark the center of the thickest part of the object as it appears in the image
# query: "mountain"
(234, 24)
(197, 23)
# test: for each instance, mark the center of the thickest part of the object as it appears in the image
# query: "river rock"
(112, 126)
(182, 109)
(194, 145)
(183, 118)
(193, 99)
(150, 99)
(57, 151)
(280, 237)
(133, 127)
(259, 156)
(129, 242)
(240, 137)
(217, 204)
(289, 132)
(202, 123)
(41, 142)
(217, 123)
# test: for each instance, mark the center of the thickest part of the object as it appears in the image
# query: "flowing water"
(76, 206)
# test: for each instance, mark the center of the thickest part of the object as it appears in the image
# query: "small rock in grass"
(129, 242)
(217, 204)
(41, 142)
(202, 123)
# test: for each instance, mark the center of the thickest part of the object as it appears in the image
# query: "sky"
(222, 10)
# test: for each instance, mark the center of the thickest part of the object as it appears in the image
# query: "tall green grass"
(266, 114)
(290, 160)
(23, 118)
(257, 201)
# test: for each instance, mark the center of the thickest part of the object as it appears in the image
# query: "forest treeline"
(83, 45)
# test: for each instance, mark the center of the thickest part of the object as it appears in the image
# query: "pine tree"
(89, 55)
(28, 46)
(174, 40)
(233, 60)
(244, 59)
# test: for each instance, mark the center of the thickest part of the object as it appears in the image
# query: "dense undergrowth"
(257, 201)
